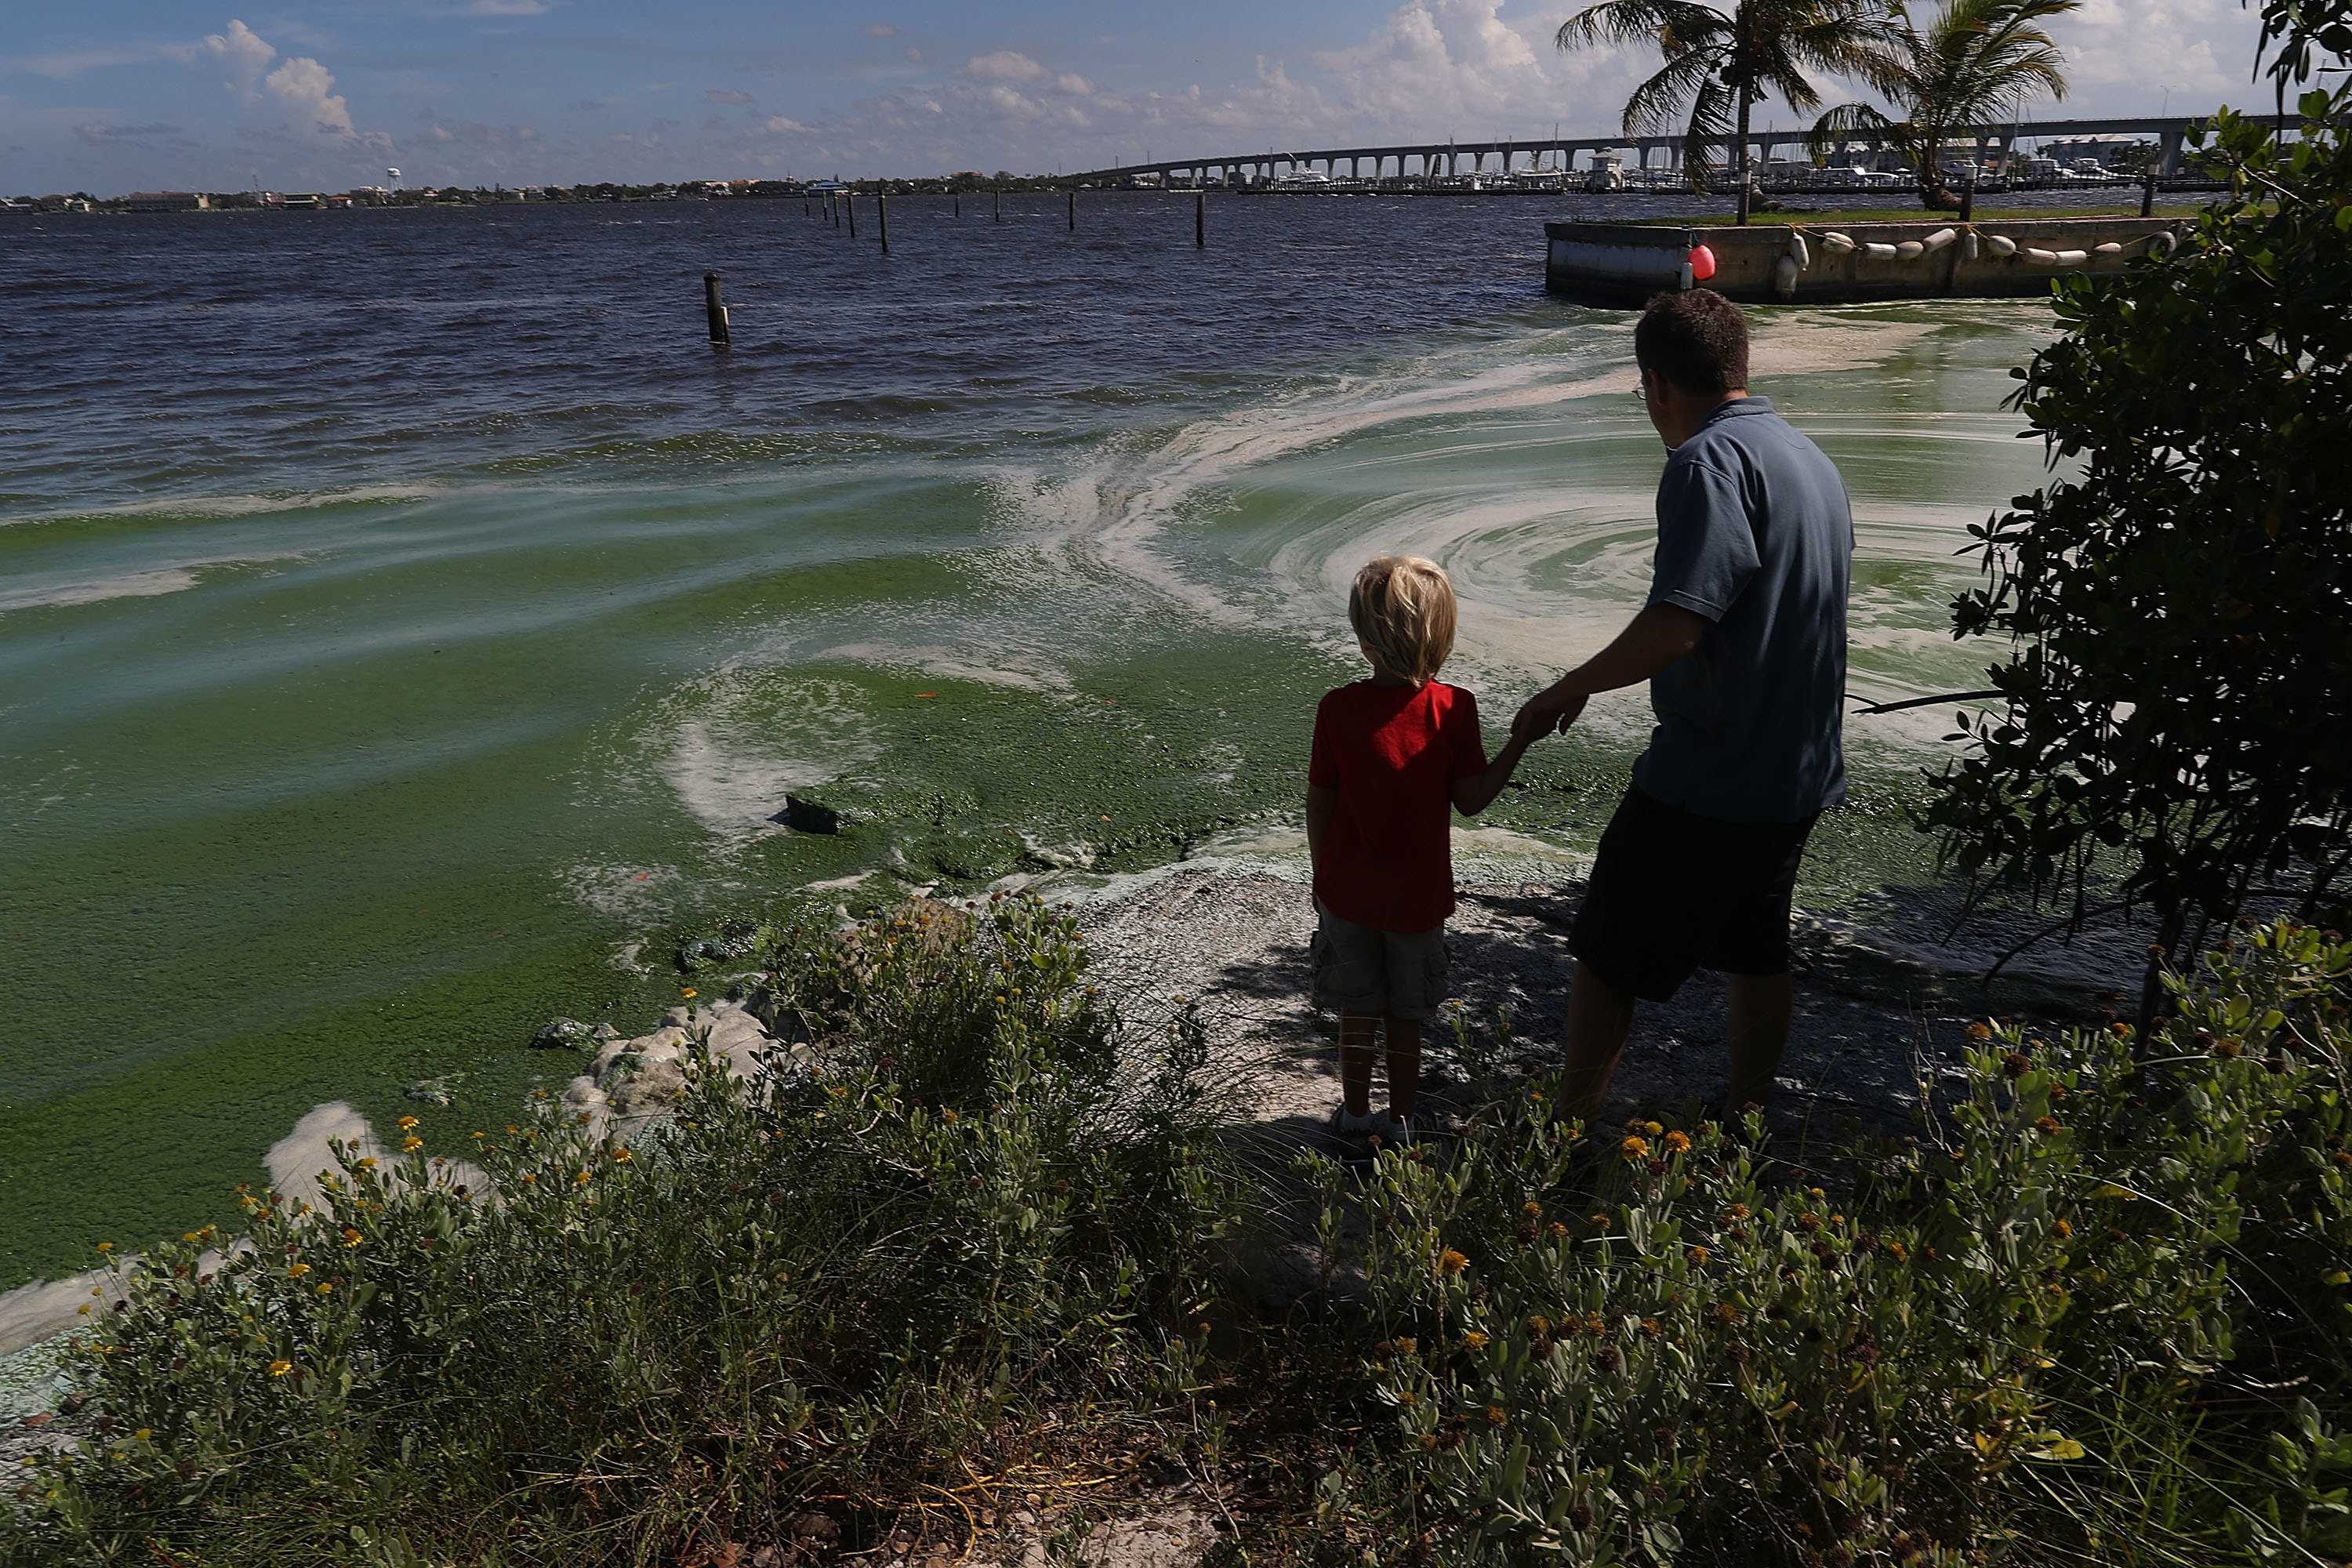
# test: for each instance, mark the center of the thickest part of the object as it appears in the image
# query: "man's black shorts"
(1673, 892)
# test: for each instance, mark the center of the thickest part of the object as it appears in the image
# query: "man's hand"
(1650, 642)
(1549, 710)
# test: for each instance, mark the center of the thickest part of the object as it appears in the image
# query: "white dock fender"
(2039, 257)
(1798, 251)
(1968, 245)
(1784, 277)
(2160, 243)
(2074, 258)
(1940, 238)
(2110, 248)
(1839, 243)
(2000, 245)
(1879, 252)
(1909, 250)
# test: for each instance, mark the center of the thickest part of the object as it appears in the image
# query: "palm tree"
(1720, 65)
(1973, 66)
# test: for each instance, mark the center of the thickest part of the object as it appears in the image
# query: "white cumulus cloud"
(301, 88)
(240, 55)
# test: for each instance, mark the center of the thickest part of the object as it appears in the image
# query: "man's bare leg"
(1600, 1017)
(1358, 1032)
(1404, 1065)
(1759, 1009)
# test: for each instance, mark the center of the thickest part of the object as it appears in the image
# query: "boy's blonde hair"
(1402, 608)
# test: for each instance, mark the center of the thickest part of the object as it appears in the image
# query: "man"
(1743, 644)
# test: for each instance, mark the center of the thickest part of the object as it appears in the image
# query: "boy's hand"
(1549, 711)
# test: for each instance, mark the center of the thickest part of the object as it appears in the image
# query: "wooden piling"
(1073, 209)
(849, 204)
(959, 204)
(999, 203)
(2148, 192)
(882, 218)
(715, 308)
(1967, 198)
(1200, 220)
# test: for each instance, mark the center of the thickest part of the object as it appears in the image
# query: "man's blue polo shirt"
(1755, 534)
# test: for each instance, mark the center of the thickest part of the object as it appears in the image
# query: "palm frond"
(1713, 109)
(1659, 101)
(1842, 124)
(1621, 21)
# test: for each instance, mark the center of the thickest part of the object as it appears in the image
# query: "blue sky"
(212, 94)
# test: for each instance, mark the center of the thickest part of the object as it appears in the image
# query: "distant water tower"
(392, 175)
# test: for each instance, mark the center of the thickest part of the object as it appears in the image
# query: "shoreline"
(1879, 1011)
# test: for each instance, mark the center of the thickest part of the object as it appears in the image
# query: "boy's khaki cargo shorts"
(1360, 969)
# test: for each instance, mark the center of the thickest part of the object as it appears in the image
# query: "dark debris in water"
(733, 941)
(572, 1034)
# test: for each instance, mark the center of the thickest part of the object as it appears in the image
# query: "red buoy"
(1702, 263)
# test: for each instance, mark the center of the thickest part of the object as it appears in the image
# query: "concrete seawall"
(1830, 263)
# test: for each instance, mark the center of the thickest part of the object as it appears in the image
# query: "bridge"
(1447, 159)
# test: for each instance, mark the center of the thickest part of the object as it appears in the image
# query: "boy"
(1392, 757)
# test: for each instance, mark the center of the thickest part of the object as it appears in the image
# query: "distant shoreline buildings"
(2073, 161)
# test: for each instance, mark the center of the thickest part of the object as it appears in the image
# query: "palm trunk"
(1739, 157)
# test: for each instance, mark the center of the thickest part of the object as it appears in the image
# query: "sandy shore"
(1877, 1014)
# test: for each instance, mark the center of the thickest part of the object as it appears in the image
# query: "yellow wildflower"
(410, 1144)
(1634, 1148)
(1475, 1340)
(1450, 1262)
(1697, 1255)
(351, 1237)
(622, 1155)
(1496, 1415)
(1532, 1209)
(144, 1433)
(1980, 1031)
(581, 1180)
(106, 1246)
(296, 1270)
(326, 1288)
(686, 991)
(1677, 1142)
(368, 1164)
(280, 1368)
(406, 1122)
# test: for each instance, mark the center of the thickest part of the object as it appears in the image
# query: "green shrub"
(1650, 1344)
(836, 1281)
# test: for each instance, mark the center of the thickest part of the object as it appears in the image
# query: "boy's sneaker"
(1354, 1133)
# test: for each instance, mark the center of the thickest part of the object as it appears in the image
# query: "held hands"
(1549, 711)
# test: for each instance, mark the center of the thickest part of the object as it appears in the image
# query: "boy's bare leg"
(1759, 1006)
(1600, 1017)
(1358, 1033)
(1404, 1065)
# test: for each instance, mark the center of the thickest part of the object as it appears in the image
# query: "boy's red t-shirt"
(1392, 753)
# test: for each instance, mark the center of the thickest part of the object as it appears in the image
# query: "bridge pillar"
(2170, 166)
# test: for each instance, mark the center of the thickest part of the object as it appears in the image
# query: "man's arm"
(1476, 793)
(1654, 640)
(1322, 800)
